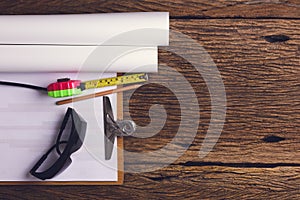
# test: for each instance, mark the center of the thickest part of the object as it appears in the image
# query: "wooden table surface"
(256, 46)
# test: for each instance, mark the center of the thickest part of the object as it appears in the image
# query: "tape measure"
(119, 80)
(65, 87)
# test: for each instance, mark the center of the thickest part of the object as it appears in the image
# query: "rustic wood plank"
(262, 86)
(257, 156)
(179, 182)
(189, 9)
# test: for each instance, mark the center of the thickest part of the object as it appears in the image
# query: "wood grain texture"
(189, 9)
(262, 87)
(176, 182)
(258, 153)
(263, 108)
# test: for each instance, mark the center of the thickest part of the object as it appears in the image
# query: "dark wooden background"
(256, 47)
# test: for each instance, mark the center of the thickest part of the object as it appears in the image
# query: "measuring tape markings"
(128, 79)
(66, 87)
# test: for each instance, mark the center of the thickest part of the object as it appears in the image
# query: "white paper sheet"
(29, 123)
(141, 28)
(43, 58)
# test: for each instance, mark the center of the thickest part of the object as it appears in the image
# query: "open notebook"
(29, 123)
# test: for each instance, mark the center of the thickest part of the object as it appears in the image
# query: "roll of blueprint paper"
(130, 29)
(52, 58)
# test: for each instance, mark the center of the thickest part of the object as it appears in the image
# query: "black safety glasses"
(69, 140)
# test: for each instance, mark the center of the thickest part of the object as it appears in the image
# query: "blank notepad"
(29, 123)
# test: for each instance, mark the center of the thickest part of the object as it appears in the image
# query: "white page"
(137, 29)
(29, 123)
(47, 58)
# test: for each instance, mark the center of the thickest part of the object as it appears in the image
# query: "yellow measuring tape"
(119, 80)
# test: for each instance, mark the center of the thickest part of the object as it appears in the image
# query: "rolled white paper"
(52, 58)
(137, 29)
